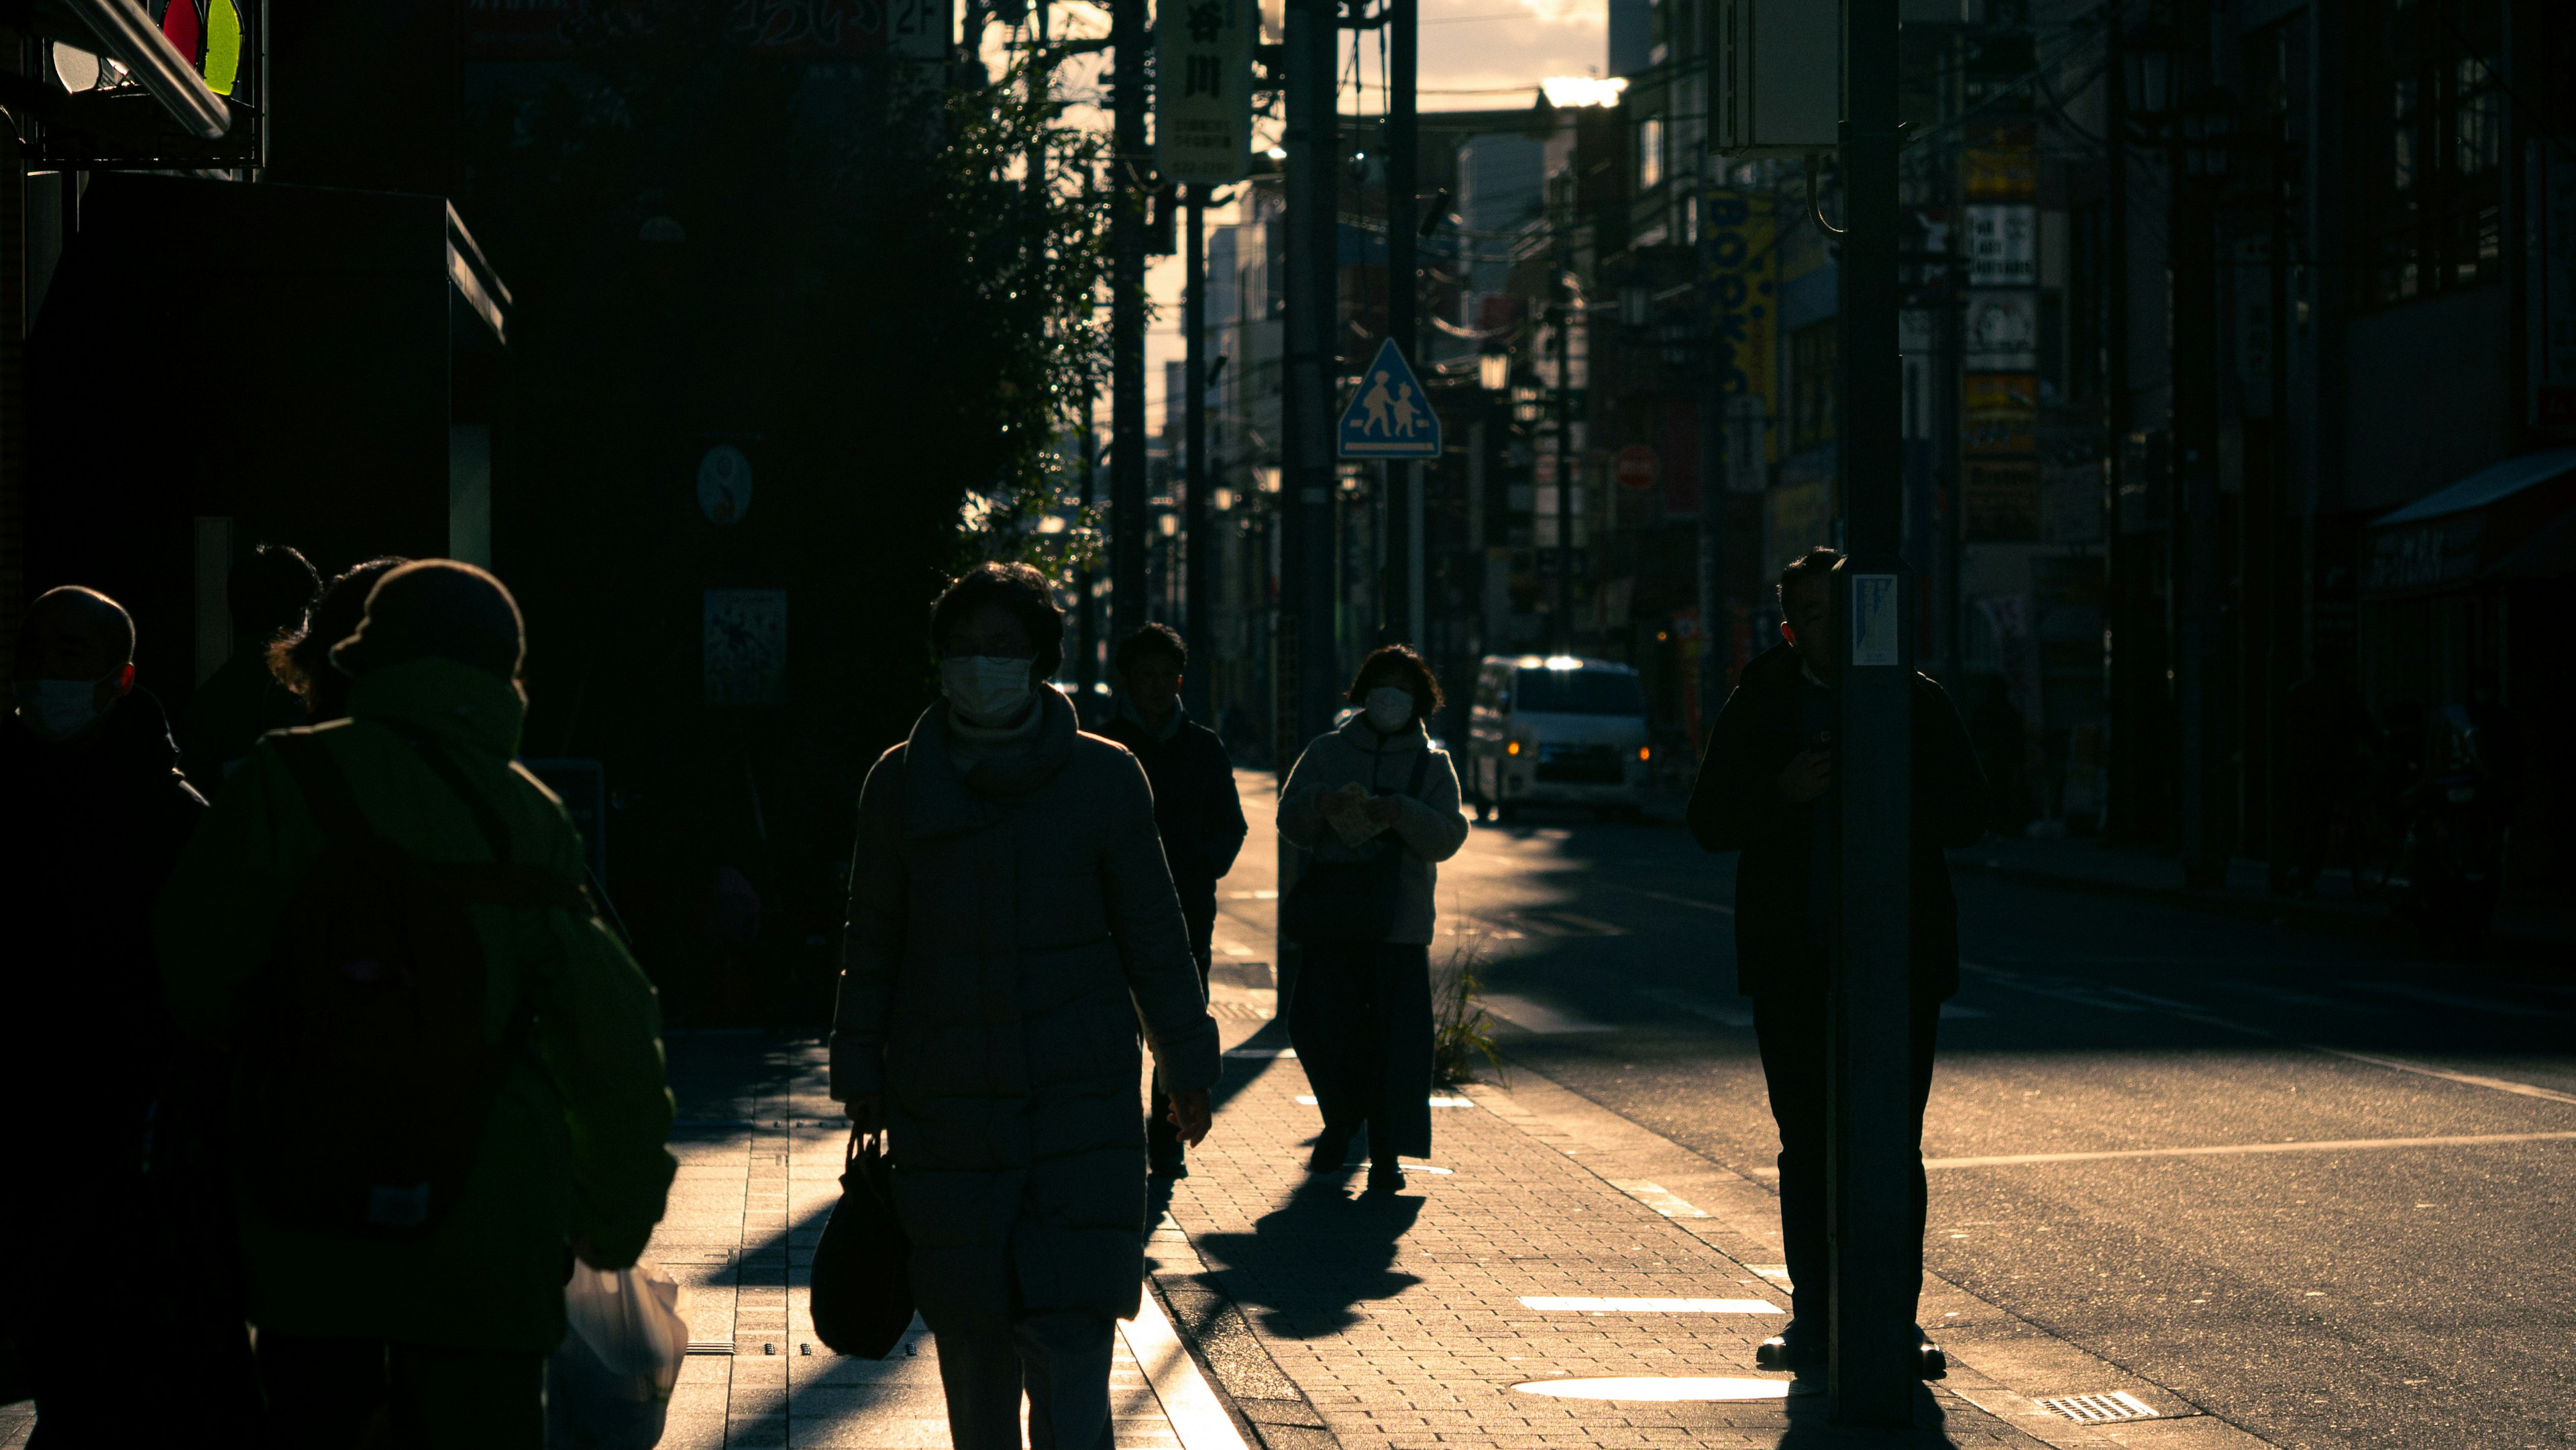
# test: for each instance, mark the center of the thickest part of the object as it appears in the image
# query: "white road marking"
(1659, 1198)
(1660, 1390)
(1675, 900)
(1531, 1016)
(2221, 1150)
(1196, 1415)
(1262, 1052)
(2452, 999)
(1699, 1007)
(2394, 1064)
(1548, 1305)
(1235, 949)
(1453, 1102)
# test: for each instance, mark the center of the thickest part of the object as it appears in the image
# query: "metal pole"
(1308, 659)
(1562, 633)
(1877, 1253)
(1403, 286)
(1129, 163)
(2119, 556)
(1716, 437)
(1198, 542)
(2197, 606)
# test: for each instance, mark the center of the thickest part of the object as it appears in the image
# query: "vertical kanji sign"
(1203, 89)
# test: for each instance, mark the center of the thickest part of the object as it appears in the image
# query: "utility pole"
(1404, 479)
(1306, 662)
(1877, 1254)
(1195, 543)
(2118, 554)
(1562, 633)
(2200, 777)
(1127, 191)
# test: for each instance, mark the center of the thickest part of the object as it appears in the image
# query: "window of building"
(2431, 149)
(1815, 385)
(1650, 153)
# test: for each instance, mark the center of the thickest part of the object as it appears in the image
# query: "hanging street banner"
(1390, 416)
(1742, 262)
(1203, 89)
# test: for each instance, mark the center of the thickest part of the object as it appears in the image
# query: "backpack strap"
(326, 791)
(496, 883)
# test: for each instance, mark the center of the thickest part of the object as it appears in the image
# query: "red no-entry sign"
(1636, 466)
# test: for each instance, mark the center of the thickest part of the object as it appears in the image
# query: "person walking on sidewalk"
(300, 659)
(1377, 805)
(1765, 789)
(448, 1073)
(267, 595)
(1010, 926)
(90, 785)
(1196, 809)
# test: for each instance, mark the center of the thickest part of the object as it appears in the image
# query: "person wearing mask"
(300, 659)
(1377, 805)
(1766, 789)
(1196, 810)
(1011, 925)
(90, 784)
(241, 701)
(429, 1320)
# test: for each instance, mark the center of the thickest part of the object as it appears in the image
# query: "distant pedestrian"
(1196, 810)
(300, 659)
(1766, 789)
(448, 1072)
(98, 813)
(1010, 927)
(1376, 801)
(241, 701)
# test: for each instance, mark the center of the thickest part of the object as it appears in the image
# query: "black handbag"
(862, 1268)
(1349, 903)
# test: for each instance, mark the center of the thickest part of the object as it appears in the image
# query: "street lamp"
(2147, 56)
(1494, 367)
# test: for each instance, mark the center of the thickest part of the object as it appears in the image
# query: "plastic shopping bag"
(609, 1385)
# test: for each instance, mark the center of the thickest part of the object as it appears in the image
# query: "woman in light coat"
(1374, 790)
(1011, 923)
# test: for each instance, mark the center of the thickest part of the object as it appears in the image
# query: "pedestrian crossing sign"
(1389, 415)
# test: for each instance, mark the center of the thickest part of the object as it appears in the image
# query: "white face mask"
(986, 690)
(58, 709)
(1389, 709)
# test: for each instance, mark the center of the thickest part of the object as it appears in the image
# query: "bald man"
(90, 787)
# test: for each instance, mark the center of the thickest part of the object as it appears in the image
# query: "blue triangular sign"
(1389, 416)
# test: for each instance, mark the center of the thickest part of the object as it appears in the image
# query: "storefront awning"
(2471, 530)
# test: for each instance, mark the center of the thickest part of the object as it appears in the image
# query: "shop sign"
(2003, 246)
(1737, 248)
(2424, 555)
(743, 646)
(1203, 91)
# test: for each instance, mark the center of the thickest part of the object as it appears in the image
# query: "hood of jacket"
(444, 700)
(938, 798)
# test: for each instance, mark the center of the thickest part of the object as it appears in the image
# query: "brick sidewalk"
(1401, 1320)
(760, 1148)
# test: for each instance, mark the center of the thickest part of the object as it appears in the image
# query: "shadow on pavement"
(1308, 1264)
(1810, 1430)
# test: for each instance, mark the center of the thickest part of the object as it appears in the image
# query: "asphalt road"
(2373, 1291)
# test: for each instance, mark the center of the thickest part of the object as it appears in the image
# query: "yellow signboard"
(1737, 242)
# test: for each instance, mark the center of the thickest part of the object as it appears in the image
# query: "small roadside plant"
(1461, 1030)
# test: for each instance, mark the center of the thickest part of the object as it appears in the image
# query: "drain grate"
(2100, 1409)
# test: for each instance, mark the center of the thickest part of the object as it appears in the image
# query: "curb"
(2357, 920)
(1268, 1408)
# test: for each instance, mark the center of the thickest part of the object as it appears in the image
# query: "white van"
(1557, 730)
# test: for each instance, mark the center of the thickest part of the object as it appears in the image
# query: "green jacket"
(575, 1143)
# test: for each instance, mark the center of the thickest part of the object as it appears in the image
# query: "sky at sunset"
(1476, 54)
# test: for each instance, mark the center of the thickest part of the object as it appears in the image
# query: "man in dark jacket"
(1766, 790)
(1196, 810)
(90, 785)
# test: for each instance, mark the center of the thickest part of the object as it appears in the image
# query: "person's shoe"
(1172, 1166)
(1385, 1178)
(1934, 1364)
(1332, 1151)
(1792, 1349)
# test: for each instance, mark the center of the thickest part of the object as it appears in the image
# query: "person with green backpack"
(447, 1074)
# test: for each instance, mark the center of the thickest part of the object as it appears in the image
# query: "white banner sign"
(1203, 89)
